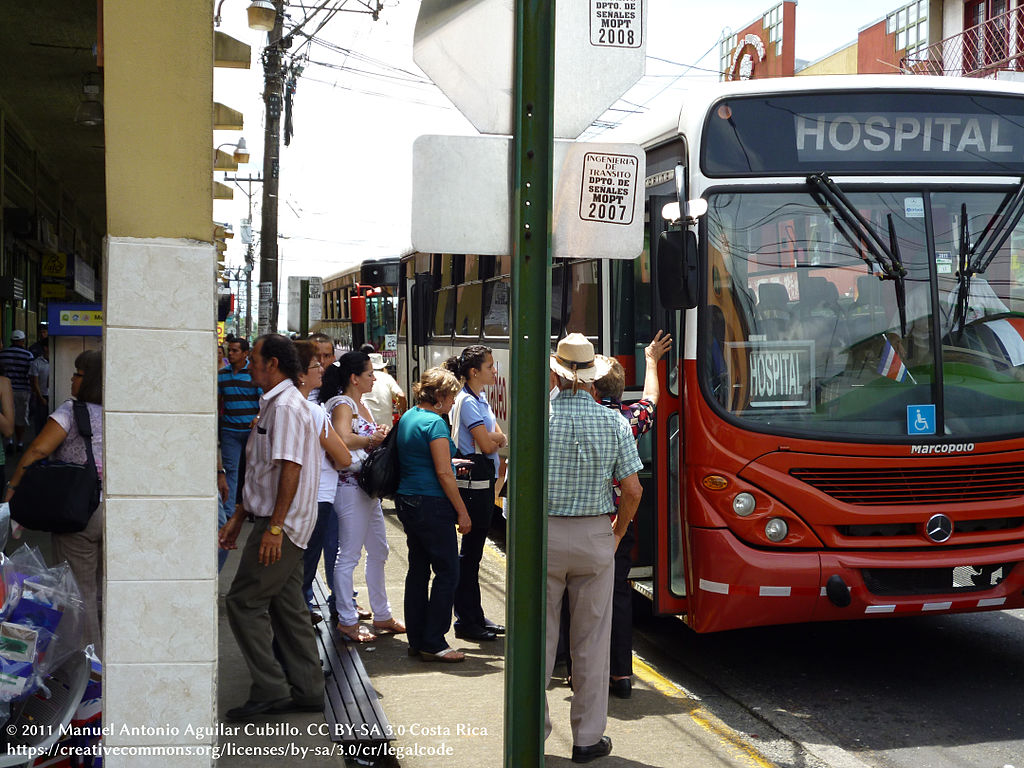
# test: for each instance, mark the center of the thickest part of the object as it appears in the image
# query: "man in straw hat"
(589, 446)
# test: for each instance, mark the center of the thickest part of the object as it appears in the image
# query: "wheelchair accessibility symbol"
(921, 419)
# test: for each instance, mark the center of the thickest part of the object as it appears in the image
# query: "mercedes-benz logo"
(938, 528)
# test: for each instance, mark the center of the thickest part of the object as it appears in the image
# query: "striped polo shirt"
(240, 396)
(15, 362)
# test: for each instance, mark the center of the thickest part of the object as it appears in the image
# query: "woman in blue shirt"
(476, 432)
(430, 507)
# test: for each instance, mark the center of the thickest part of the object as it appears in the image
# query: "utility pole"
(273, 95)
(248, 247)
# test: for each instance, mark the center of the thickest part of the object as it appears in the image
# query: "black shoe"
(594, 751)
(291, 705)
(315, 617)
(498, 629)
(475, 633)
(623, 688)
(251, 708)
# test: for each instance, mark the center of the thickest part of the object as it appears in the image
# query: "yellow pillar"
(160, 603)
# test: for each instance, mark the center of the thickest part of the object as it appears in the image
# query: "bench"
(351, 704)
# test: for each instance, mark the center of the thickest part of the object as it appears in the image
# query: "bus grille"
(886, 582)
(909, 529)
(926, 485)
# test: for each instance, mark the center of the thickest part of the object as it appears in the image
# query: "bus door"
(636, 315)
(669, 449)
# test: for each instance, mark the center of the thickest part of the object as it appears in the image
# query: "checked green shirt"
(588, 445)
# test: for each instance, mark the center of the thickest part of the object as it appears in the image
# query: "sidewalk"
(453, 714)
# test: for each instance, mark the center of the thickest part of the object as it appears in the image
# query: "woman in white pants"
(360, 519)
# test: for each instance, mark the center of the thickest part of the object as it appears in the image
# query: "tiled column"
(160, 600)
(160, 604)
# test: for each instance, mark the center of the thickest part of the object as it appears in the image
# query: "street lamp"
(241, 153)
(261, 15)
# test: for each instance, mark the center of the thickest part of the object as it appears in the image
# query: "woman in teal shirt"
(430, 508)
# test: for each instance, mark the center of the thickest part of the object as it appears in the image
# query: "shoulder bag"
(56, 496)
(381, 473)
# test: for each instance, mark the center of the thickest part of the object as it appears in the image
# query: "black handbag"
(381, 473)
(55, 496)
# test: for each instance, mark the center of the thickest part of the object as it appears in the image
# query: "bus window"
(623, 308)
(497, 294)
(582, 311)
(444, 312)
(446, 271)
(467, 321)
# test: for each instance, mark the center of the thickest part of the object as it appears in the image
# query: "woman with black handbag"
(360, 518)
(61, 438)
(477, 436)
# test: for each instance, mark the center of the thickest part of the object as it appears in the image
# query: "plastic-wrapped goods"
(40, 621)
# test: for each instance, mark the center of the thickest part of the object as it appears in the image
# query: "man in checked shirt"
(589, 447)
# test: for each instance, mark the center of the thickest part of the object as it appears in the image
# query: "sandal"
(448, 655)
(390, 627)
(357, 633)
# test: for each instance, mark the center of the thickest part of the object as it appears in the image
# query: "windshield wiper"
(963, 266)
(886, 255)
(901, 283)
(853, 219)
(998, 231)
(974, 261)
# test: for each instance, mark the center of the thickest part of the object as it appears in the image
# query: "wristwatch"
(275, 530)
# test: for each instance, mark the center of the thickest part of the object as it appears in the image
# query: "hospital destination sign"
(908, 132)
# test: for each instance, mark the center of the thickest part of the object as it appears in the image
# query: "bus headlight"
(743, 504)
(776, 529)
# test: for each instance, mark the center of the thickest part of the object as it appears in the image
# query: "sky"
(346, 178)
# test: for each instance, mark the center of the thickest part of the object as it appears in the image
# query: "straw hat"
(377, 361)
(574, 358)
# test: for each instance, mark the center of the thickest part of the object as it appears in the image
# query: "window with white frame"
(910, 25)
(725, 48)
(772, 26)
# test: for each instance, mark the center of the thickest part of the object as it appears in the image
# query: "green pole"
(529, 349)
(303, 309)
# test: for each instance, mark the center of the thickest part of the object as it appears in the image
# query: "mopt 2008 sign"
(616, 23)
(609, 184)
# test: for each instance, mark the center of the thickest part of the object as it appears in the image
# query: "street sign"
(466, 48)
(460, 197)
(599, 202)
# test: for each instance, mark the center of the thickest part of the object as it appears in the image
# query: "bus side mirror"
(678, 274)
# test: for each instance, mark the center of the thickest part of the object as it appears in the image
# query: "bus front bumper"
(736, 586)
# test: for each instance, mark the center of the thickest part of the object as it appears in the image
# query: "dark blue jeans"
(429, 523)
(325, 540)
(469, 614)
(232, 445)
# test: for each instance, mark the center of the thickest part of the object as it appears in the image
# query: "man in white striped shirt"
(265, 601)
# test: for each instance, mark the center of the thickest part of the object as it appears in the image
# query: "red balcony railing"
(982, 50)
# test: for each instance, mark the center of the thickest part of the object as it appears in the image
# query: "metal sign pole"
(529, 348)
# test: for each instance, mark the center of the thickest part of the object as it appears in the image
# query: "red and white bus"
(841, 427)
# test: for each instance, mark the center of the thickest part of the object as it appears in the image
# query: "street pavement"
(452, 714)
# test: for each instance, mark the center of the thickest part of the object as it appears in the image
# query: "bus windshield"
(803, 331)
